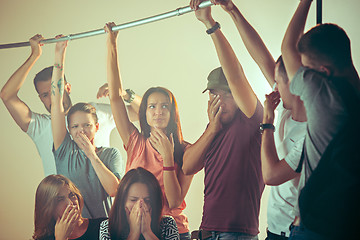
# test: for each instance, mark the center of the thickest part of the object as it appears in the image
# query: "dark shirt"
(233, 178)
(92, 232)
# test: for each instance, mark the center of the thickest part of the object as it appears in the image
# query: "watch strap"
(213, 28)
(131, 95)
(264, 126)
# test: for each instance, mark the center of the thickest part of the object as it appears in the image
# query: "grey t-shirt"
(40, 132)
(325, 111)
(72, 162)
(326, 115)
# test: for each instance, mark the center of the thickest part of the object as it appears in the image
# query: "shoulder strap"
(303, 157)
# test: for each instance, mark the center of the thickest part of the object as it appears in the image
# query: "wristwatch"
(213, 28)
(131, 95)
(264, 126)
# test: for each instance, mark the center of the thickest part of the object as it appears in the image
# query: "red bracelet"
(168, 168)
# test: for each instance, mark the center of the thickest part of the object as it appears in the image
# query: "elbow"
(112, 193)
(271, 179)
(268, 180)
(188, 167)
(113, 190)
(4, 97)
(187, 170)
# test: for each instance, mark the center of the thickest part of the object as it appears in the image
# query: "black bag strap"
(299, 167)
(303, 156)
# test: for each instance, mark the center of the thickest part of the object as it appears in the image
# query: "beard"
(66, 103)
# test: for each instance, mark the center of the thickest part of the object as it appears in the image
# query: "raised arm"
(295, 30)
(241, 90)
(19, 111)
(57, 92)
(123, 124)
(252, 40)
(274, 170)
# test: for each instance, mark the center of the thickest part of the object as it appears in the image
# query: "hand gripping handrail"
(177, 12)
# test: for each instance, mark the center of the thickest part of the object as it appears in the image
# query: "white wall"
(174, 53)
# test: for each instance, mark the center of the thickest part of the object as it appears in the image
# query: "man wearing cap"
(281, 146)
(229, 149)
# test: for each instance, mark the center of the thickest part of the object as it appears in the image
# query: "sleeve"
(253, 125)
(297, 83)
(306, 83)
(37, 126)
(280, 109)
(257, 118)
(169, 230)
(135, 144)
(104, 230)
(66, 147)
(293, 157)
(115, 163)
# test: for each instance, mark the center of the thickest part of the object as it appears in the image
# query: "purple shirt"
(233, 178)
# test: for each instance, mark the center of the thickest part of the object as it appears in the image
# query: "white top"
(289, 139)
(41, 133)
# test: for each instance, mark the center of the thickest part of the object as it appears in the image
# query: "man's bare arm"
(293, 33)
(252, 40)
(19, 111)
(274, 170)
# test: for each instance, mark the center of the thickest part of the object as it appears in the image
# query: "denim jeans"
(185, 236)
(302, 233)
(232, 236)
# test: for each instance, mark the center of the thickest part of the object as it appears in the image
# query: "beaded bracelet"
(58, 66)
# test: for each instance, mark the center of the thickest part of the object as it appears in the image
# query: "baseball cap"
(217, 80)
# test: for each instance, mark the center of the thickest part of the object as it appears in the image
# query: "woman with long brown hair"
(58, 207)
(158, 146)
